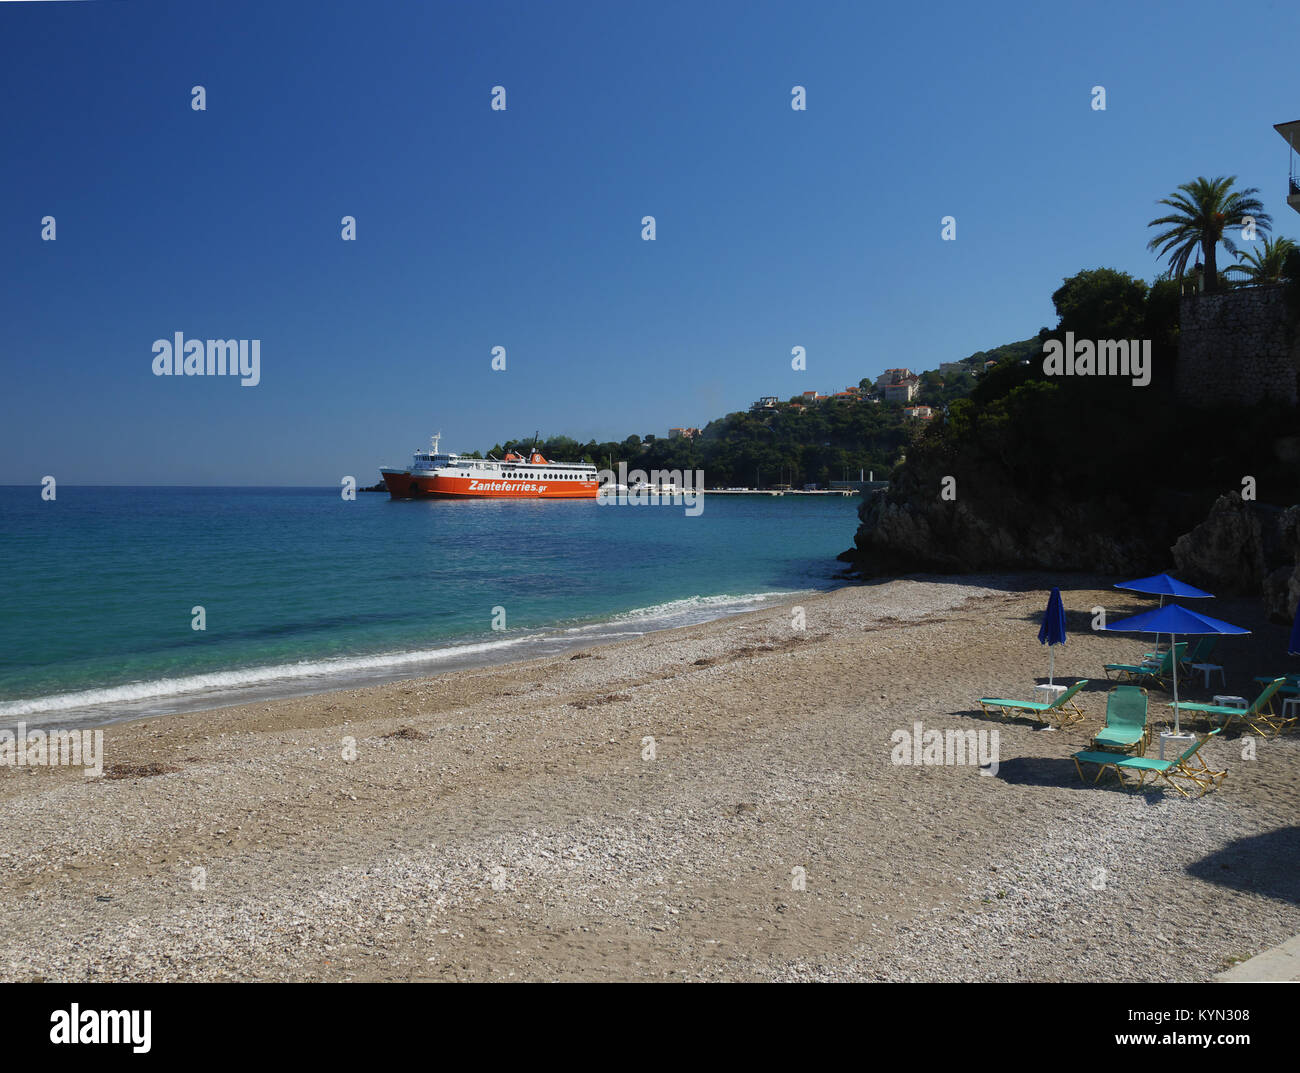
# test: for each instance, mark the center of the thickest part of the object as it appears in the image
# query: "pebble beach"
(716, 802)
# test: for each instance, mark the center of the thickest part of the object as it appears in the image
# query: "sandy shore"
(506, 823)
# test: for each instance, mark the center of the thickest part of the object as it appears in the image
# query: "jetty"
(779, 492)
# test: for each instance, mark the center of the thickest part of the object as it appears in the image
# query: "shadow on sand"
(1260, 864)
(1061, 773)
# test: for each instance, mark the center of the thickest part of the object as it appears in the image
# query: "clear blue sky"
(522, 228)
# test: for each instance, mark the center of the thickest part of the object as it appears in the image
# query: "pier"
(778, 492)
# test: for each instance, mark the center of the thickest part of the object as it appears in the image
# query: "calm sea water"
(303, 591)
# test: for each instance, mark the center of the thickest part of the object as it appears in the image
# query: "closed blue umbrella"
(1052, 631)
(1174, 620)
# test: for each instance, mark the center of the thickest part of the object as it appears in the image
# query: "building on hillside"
(1291, 135)
(767, 402)
(953, 368)
(893, 376)
(923, 413)
(683, 433)
(902, 391)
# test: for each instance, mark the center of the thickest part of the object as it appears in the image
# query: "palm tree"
(1264, 265)
(1205, 209)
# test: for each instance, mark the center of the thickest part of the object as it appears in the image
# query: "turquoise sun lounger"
(1126, 725)
(1063, 711)
(1190, 767)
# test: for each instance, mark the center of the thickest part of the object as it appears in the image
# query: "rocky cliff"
(1246, 549)
(1002, 527)
(1238, 548)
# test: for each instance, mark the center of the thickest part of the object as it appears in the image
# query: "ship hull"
(402, 484)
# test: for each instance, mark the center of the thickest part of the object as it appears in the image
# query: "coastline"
(258, 684)
(503, 823)
(294, 624)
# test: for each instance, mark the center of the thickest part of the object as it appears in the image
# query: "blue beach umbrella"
(1163, 585)
(1174, 620)
(1293, 649)
(1052, 631)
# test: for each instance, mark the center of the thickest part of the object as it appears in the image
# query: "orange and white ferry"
(432, 473)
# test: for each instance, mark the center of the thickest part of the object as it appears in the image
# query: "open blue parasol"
(1163, 585)
(1174, 620)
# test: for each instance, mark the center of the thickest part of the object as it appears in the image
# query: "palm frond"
(1204, 210)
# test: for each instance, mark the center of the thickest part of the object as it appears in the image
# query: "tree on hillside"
(1204, 210)
(1101, 303)
(1263, 265)
(1095, 304)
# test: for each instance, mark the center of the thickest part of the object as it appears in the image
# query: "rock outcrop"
(1246, 549)
(1239, 548)
(902, 530)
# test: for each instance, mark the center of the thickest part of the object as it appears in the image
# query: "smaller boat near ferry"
(433, 473)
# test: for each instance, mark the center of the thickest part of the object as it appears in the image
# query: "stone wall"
(1237, 348)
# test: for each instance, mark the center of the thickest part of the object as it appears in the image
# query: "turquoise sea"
(303, 591)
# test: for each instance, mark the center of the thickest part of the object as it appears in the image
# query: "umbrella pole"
(1051, 666)
(1173, 647)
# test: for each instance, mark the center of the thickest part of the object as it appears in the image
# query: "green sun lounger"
(1159, 670)
(1290, 688)
(1126, 724)
(1199, 653)
(1190, 767)
(1063, 711)
(1259, 716)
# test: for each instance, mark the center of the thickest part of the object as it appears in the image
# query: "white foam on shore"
(684, 612)
(218, 688)
(253, 676)
(693, 604)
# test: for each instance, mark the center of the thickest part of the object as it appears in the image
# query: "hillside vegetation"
(798, 442)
